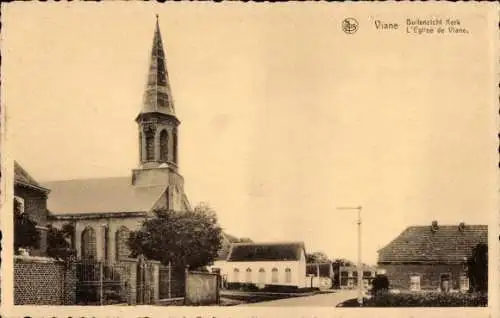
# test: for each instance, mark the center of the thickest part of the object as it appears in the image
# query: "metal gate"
(172, 283)
(102, 283)
(145, 282)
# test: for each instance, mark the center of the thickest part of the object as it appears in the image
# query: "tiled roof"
(226, 241)
(226, 245)
(21, 176)
(100, 196)
(447, 244)
(230, 238)
(255, 252)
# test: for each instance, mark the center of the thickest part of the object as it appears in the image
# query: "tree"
(25, 233)
(58, 241)
(186, 238)
(478, 268)
(317, 257)
(380, 284)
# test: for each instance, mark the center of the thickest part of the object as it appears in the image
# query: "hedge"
(428, 299)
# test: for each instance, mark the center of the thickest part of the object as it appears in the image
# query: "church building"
(103, 211)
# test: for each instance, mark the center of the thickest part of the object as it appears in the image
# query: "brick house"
(431, 257)
(32, 198)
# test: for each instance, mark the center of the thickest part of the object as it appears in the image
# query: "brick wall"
(35, 205)
(399, 275)
(43, 281)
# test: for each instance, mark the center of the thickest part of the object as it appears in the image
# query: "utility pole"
(360, 270)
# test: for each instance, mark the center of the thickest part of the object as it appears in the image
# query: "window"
(344, 277)
(288, 275)
(249, 275)
(174, 135)
(89, 244)
(236, 275)
(415, 283)
(150, 145)
(274, 275)
(355, 274)
(140, 147)
(367, 274)
(464, 283)
(121, 238)
(262, 276)
(163, 145)
(106, 242)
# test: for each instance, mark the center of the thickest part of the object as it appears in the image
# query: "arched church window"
(164, 145)
(150, 145)
(121, 240)
(89, 243)
(174, 135)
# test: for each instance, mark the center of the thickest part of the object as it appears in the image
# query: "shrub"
(380, 284)
(428, 299)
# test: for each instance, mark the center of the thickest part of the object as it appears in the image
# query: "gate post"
(131, 281)
(101, 278)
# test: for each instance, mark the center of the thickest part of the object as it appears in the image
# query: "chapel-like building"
(105, 210)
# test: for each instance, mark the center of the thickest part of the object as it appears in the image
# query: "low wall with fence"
(201, 289)
(43, 281)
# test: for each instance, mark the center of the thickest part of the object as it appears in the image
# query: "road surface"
(319, 300)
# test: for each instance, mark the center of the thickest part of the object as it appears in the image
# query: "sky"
(284, 116)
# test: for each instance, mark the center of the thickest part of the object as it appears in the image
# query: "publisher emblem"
(350, 25)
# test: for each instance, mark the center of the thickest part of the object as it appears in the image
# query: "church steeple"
(157, 120)
(158, 95)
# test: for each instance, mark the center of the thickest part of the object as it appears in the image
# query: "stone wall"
(430, 275)
(43, 281)
(202, 289)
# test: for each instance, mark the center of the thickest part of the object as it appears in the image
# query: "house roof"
(22, 177)
(224, 250)
(255, 252)
(447, 244)
(104, 195)
(230, 238)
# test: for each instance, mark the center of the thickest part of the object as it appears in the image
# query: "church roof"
(22, 177)
(103, 195)
(157, 95)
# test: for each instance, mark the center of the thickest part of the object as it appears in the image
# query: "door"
(445, 282)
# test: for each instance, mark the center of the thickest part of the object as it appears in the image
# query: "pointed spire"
(157, 96)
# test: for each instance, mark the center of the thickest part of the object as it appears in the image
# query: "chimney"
(461, 226)
(434, 226)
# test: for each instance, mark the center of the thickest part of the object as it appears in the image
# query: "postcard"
(225, 159)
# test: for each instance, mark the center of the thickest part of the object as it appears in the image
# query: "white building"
(264, 264)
